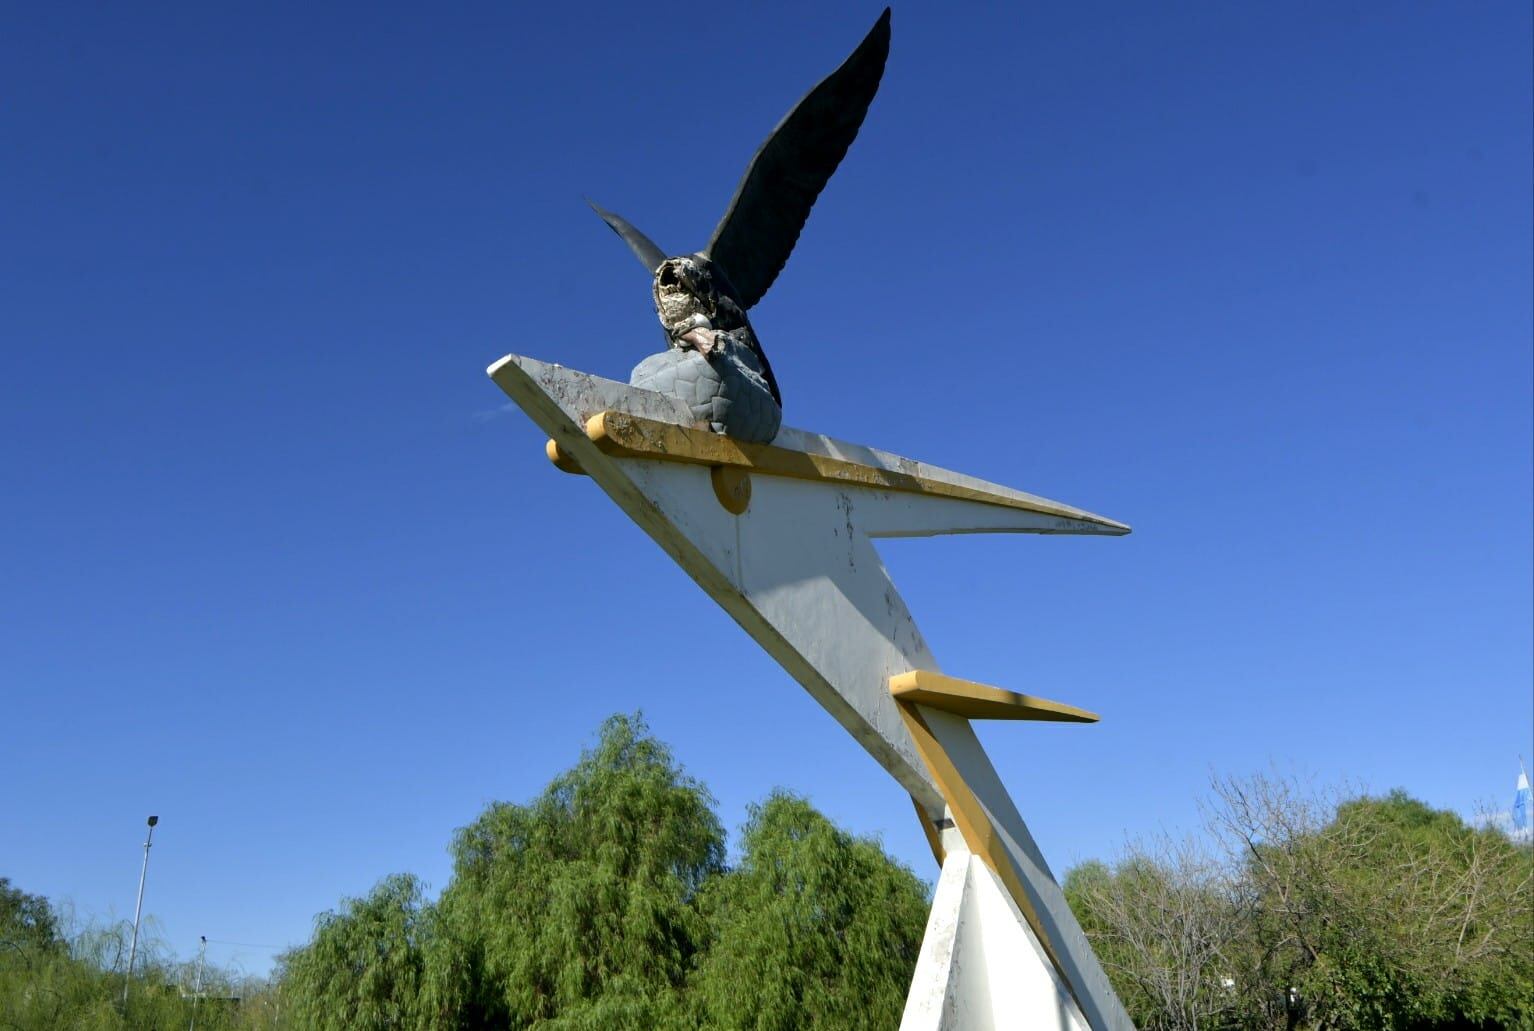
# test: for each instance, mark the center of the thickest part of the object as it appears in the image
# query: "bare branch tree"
(1165, 921)
(1318, 909)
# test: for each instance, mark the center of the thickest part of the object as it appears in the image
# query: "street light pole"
(197, 985)
(138, 908)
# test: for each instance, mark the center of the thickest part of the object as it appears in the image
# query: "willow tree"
(605, 903)
(578, 909)
(364, 966)
(813, 928)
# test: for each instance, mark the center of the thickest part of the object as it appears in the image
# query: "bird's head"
(684, 287)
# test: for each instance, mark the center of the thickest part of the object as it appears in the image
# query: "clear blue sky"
(277, 567)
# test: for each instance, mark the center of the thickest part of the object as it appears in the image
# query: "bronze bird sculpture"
(714, 360)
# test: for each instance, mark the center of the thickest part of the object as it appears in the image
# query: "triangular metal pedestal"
(981, 966)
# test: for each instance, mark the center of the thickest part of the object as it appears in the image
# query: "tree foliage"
(364, 965)
(1164, 928)
(605, 903)
(53, 977)
(578, 909)
(27, 922)
(814, 928)
(1369, 912)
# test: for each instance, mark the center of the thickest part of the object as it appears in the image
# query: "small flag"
(1521, 801)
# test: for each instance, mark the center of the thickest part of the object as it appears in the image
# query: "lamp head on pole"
(153, 820)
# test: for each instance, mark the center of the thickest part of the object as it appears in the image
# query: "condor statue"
(714, 361)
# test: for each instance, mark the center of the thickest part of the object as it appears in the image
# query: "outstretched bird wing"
(643, 247)
(762, 223)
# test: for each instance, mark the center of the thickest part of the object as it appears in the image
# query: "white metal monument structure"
(777, 525)
(781, 536)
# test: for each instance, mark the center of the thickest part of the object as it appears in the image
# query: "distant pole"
(202, 950)
(138, 908)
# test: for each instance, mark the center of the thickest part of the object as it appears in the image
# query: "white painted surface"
(798, 571)
(1078, 962)
(933, 1002)
(981, 968)
(1022, 988)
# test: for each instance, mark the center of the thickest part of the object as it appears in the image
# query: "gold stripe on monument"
(975, 826)
(979, 701)
(632, 436)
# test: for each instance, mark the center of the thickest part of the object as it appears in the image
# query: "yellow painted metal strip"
(975, 825)
(979, 701)
(632, 436)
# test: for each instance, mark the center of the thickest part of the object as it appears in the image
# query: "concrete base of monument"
(782, 537)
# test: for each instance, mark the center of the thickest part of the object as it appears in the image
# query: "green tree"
(365, 965)
(579, 909)
(814, 928)
(51, 979)
(1389, 914)
(1363, 912)
(605, 903)
(27, 922)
